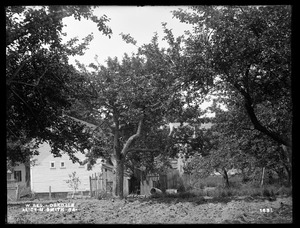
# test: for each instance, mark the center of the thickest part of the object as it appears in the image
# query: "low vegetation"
(213, 187)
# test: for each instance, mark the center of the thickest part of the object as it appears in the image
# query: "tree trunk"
(253, 118)
(119, 178)
(262, 177)
(288, 154)
(226, 180)
(118, 157)
(289, 174)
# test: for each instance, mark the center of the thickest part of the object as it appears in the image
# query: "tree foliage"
(247, 48)
(39, 81)
(131, 101)
(245, 53)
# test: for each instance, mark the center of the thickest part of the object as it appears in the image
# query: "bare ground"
(160, 211)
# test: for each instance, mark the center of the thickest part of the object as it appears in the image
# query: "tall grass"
(237, 188)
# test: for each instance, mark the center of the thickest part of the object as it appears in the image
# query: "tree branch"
(25, 103)
(33, 85)
(256, 123)
(132, 138)
(142, 150)
(17, 71)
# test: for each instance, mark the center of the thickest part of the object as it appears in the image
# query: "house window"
(52, 165)
(8, 176)
(18, 176)
(62, 165)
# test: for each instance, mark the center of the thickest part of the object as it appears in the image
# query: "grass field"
(213, 186)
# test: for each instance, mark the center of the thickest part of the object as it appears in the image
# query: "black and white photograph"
(153, 114)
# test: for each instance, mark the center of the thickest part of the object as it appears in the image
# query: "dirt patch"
(160, 211)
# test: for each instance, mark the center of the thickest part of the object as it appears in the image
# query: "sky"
(140, 22)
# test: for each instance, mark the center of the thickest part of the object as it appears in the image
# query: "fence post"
(90, 186)
(96, 178)
(17, 192)
(262, 177)
(50, 193)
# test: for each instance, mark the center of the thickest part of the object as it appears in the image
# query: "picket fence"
(13, 191)
(99, 185)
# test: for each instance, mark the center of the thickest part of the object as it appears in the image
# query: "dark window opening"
(18, 176)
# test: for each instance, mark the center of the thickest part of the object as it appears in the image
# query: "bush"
(202, 186)
(181, 188)
(103, 195)
(223, 194)
(284, 191)
(211, 181)
(267, 192)
(235, 184)
(185, 195)
(255, 193)
(189, 188)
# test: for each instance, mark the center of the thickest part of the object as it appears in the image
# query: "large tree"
(39, 81)
(246, 49)
(130, 101)
(237, 144)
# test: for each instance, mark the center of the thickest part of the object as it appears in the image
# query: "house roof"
(177, 124)
(44, 149)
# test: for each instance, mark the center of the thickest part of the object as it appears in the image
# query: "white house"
(54, 171)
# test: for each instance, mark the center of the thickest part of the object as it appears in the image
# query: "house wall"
(20, 167)
(43, 176)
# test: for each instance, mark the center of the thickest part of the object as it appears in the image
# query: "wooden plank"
(17, 193)
(50, 192)
(91, 190)
(97, 187)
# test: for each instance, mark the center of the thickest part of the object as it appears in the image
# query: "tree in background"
(73, 182)
(40, 83)
(236, 144)
(248, 50)
(245, 51)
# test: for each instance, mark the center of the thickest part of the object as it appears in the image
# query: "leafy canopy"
(40, 83)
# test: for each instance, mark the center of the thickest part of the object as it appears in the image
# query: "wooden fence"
(13, 191)
(172, 180)
(99, 185)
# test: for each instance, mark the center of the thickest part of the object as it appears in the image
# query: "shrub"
(185, 195)
(189, 188)
(284, 191)
(181, 188)
(201, 185)
(223, 194)
(73, 182)
(255, 193)
(103, 195)
(267, 192)
(235, 184)
(211, 183)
